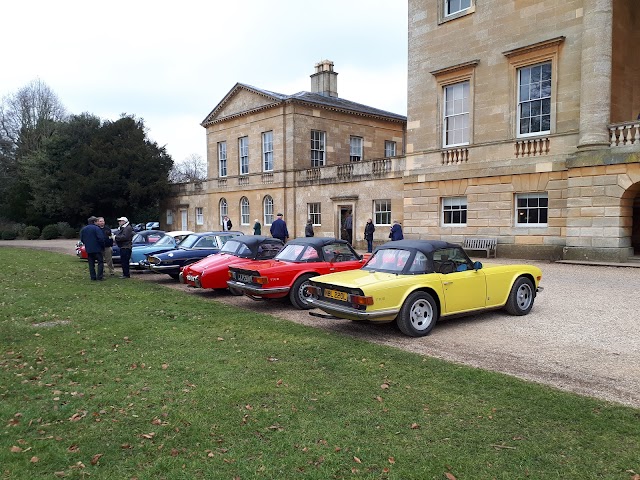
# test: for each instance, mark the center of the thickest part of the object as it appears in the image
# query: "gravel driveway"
(582, 335)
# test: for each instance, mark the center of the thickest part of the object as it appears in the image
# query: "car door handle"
(447, 283)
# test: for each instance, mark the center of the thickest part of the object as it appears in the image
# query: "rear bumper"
(351, 313)
(257, 291)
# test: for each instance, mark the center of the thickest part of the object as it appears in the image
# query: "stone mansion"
(523, 124)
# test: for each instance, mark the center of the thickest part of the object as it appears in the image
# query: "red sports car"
(213, 271)
(289, 272)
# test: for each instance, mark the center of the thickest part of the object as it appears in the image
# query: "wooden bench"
(487, 244)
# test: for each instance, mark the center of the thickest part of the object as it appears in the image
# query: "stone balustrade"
(626, 133)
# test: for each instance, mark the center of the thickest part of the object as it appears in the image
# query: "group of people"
(98, 239)
(279, 229)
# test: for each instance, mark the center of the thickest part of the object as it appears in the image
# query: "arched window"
(224, 210)
(267, 205)
(244, 211)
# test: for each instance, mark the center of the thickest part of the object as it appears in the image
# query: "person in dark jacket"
(226, 224)
(279, 229)
(308, 229)
(369, 228)
(108, 243)
(123, 239)
(257, 228)
(93, 239)
(396, 231)
(348, 226)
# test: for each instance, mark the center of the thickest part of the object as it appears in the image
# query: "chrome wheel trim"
(421, 315)
(524, 296)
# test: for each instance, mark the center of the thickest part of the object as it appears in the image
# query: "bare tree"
(29, 116)
(191, 169)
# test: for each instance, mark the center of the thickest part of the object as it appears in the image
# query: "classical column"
(595, 94)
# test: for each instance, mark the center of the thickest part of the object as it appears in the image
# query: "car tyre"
(521, 297)
(298, 294)
(418, 315)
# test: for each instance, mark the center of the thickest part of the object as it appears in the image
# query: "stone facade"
(589, 181)
(292, 185)
(538, 145)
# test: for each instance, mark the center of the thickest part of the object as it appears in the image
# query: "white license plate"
(241, 277)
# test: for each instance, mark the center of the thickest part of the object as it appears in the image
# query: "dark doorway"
(635, 226)
(344, 211)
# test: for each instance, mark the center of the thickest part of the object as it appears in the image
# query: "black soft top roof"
(316, 242)
(425, 246)
(253, 241)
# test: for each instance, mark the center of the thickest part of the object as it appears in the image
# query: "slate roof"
(333, 103)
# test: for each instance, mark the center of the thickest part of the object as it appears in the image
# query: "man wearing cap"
(93, 239)
(279, 229)
(123, 240)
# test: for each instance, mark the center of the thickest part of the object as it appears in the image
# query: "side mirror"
(477, 265)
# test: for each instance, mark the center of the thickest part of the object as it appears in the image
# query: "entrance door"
(183, 218)
(343, 212)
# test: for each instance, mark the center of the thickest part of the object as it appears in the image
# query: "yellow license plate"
(336, 295)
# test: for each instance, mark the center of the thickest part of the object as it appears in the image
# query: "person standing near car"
(123, 240)
(396, 231)
(348, 226)
(308, 229)
(226, 224)
(108, 243)
(279, 229)
(369, 228)
(93, 239)
(257, 228)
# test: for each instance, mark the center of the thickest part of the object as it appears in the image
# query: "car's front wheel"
(418, 315)
(521, 297)
(298, 294)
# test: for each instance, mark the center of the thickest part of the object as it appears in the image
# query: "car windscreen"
(167, 240)
(293, 253)
(233, 247)
(189, 241)
(390, 260)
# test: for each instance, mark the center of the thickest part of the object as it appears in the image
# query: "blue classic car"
(144, 238)
(193, 248)
(170, 241)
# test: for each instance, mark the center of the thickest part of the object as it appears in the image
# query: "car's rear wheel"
(521, 297)
(298, 295)
(418, 314)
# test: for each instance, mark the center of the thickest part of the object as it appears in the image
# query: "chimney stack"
(325, 80)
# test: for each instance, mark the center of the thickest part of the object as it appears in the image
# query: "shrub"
(31, 232)
(9, 235)
(69, 232)
(50, 232)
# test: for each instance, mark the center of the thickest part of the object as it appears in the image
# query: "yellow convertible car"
(416, 282)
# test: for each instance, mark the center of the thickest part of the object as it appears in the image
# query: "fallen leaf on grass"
(165, 366)
(415, 426)
(148, 436)
(16, 449)
(392, 460)
(357, 460)
(96, 458)
(449, 476)
(34, 460)
(384, 386)
(73, 448)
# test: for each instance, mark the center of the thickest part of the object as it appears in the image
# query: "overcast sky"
(170, 62)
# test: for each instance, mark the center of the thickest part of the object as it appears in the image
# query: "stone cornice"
(552, 42)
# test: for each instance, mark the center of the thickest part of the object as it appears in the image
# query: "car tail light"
(361, 300)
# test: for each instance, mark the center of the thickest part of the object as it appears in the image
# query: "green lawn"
(128, 379)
